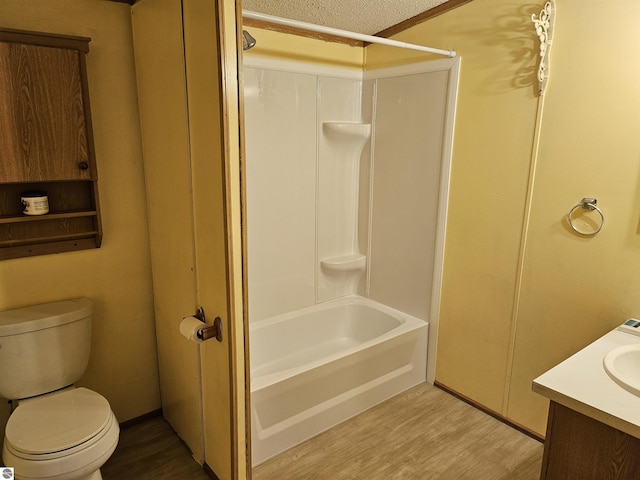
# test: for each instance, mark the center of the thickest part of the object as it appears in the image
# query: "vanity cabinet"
(579, 447)
(593, 428)
(46, 144)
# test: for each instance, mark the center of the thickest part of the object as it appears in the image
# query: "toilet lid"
(57, 422)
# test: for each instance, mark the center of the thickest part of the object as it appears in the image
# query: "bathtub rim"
(346, 300)
(406, 322)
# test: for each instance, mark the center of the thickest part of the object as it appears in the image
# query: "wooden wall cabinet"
(46, 144)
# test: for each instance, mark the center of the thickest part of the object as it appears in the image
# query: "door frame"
(186, 54)
(212, 58)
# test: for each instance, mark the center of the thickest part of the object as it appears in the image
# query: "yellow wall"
(576, 289)
(495, 338)
(117, 277)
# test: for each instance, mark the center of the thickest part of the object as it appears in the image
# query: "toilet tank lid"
(46, 315)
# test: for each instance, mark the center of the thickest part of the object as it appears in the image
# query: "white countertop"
(582, 384)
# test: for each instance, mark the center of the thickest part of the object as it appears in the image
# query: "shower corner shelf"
(345, 263)
(348, 129)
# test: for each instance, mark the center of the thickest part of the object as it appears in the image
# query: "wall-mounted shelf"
(47, 145)
(347, 129)
(346, 263)
(48, 217)
(341, 264)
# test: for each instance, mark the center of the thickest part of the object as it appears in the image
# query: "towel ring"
(587, 204)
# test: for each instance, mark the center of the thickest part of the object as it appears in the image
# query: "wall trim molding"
(209, 471)
(145, 416)
(488, 411)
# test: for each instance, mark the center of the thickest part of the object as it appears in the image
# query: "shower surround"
(345, 189)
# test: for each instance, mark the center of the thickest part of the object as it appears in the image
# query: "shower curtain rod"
(343, 33)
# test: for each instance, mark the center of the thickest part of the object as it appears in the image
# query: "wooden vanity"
(593, 431)
(579, 447)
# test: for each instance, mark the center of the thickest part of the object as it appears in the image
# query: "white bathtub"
(314, 368)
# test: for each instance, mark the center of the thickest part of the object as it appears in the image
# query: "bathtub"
(316, 367)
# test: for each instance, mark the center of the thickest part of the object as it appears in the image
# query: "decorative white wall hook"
(544, 29)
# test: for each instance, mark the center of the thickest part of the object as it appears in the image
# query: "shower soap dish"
(345, 263)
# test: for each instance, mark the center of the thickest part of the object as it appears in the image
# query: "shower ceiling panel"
(362, 16)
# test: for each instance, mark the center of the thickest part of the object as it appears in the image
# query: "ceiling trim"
(249, 22)
(386, 33)
(421, 17)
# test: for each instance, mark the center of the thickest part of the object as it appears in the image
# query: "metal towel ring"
(587, 204)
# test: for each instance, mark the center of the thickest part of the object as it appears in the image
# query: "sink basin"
(623, 366)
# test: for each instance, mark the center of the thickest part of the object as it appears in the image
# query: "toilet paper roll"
(190, 326)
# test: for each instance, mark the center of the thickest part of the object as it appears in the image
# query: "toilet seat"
(77, 426)
(58, 425)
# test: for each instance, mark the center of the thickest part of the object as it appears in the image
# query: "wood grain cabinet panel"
(581, 448)
(46, 144)
(42, 127)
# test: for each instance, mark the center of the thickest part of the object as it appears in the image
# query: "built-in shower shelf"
(347, 129)
(345, 263)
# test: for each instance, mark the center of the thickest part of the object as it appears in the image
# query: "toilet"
(57, 431)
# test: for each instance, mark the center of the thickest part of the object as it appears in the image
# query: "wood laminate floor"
(151, 450)
(422, 434)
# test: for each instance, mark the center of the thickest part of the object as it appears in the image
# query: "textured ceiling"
(362, 16)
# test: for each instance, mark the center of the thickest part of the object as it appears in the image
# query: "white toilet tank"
(44, 347)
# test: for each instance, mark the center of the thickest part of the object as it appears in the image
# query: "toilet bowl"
(57, 431)
(66, 435)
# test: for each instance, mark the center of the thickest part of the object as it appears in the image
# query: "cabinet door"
(43, 134)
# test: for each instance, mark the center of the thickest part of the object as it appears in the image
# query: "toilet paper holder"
(212, 331)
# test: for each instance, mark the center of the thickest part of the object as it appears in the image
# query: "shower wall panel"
(408, 142)
(280, 122)
(306, 202)
(297, 193)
